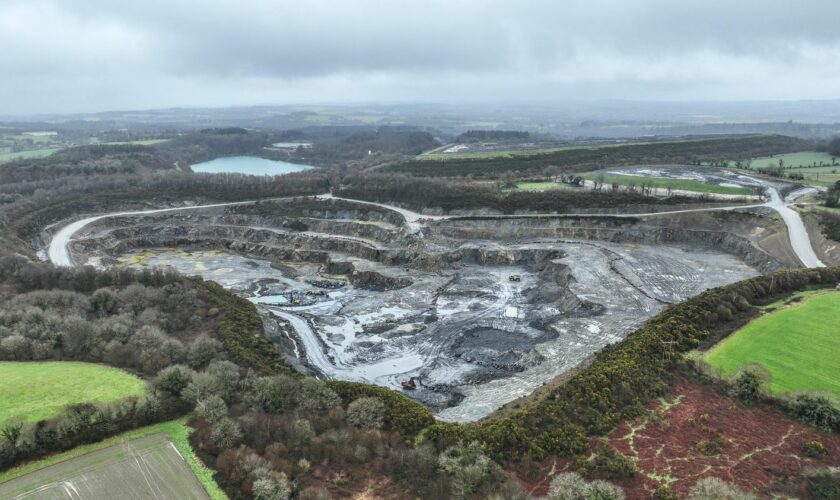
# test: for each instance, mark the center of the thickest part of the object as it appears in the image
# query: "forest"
(447, 195)
(385, 140)
(493, 135)
(85, 161)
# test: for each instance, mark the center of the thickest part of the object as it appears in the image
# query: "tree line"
(581, 159)
(421, 193)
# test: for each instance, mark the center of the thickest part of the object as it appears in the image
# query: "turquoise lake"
(250, 165)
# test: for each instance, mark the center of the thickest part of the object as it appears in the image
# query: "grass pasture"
(795, 160)
(33, 390)
(797, 343)
(143, 142)
(665, 183)
(22, 155)
(151, 462)
(543, 186)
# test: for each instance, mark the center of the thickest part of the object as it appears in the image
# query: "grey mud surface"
(365, 291)
(475, 339)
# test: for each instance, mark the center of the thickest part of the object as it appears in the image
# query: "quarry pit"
(463, 315)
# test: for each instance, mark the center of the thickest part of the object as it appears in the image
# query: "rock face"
(441, 244)
(652, 230)
(373, 280)
(481, 310)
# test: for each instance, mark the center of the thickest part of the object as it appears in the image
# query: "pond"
(250, 165)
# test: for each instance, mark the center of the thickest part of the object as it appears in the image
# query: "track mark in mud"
(612, 258)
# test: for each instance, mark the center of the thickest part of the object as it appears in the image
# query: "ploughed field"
(796, 342)
(33, 391)
(462, 315)
(144, 467)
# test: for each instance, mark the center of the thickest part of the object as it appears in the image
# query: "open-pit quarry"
(461, 313)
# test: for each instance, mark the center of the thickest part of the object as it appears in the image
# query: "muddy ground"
(473, 338)
(477, 312)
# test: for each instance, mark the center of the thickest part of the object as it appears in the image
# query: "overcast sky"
(96, 55)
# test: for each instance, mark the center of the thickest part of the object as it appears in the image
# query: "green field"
(33, 391)
(797, 344)
(143, 142)
(105, 459)
(665, 183)
(795, 160)
(543, 186)
(35, 153)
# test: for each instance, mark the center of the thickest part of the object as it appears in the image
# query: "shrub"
(316, 396)
(225, 433)
(302, 433)
(212, 408)
(174, 379)
(711, 447)
(664, 493)
(817, 411)
(468, 467)
(823, 484)
(712, 488)
(602, 490)
(402, 414)
(202, 386)
(202, 350)
(814, 449)
(747, 387)
(417, 468)
(271, 394)
(571, 486)
(613, 464)
(568, 486)
(274, 487)
(366, 413)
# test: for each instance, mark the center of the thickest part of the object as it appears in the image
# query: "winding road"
(58, 250)
(386, 371)
(59, 254)
(798, 234)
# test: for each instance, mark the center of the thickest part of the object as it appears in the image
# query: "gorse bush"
(817, 411)
(814, 449)
(747, 387)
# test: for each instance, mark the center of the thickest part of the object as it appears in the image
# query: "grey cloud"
(104, 54)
